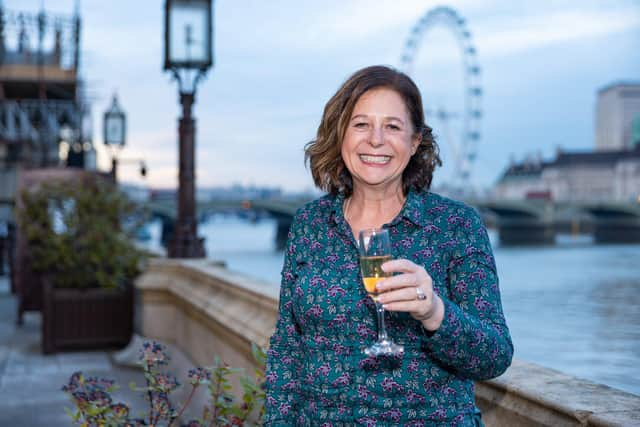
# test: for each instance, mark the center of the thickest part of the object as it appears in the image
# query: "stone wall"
(205, 310)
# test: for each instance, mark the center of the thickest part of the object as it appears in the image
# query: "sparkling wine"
(372, 272)
(374, 246)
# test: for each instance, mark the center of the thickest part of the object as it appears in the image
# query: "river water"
(574, 307)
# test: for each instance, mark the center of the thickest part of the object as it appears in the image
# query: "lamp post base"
(186, 245)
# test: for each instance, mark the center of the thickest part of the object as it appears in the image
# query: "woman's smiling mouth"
(376, 159)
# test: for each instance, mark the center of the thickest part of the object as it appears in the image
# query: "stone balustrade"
(205, 309)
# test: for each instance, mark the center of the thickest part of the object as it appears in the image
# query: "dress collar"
(414, 210)
(338, 215)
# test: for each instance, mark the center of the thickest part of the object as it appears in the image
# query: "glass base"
(384, 348)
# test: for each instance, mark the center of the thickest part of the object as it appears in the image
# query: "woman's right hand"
(410, 290)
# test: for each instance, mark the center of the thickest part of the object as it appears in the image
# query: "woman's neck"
(372, 209)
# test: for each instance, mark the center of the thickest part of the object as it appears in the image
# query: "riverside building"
(588, 176)
(610, 173)
(618, 116)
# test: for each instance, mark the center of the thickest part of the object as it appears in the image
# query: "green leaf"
(75, 416)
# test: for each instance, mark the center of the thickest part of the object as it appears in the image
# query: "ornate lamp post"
(188, 54)
(114, 124)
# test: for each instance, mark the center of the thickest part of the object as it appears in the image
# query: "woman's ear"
(415, 143)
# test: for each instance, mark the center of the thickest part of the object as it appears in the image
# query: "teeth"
(375, 159)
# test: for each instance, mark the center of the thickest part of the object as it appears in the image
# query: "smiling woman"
(324, 153)
(375, 156)
(379, 140)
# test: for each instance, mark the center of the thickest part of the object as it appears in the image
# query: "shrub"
(75, 235)
(94, 405)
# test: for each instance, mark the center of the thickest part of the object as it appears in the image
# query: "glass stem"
(382, 331)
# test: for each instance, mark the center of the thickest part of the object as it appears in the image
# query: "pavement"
(30, 382)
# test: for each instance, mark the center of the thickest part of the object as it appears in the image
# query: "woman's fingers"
(398, 281)
(411, 275)
(400, 266)
(410, 290)
(407, 306)
(404, 294)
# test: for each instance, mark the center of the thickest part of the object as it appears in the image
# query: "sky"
(278, 62)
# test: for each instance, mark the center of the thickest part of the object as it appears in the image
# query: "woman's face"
(379, 140)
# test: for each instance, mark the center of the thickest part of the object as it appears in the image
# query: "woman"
(375, 157)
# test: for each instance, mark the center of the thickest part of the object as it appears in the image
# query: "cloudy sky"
(279, 61)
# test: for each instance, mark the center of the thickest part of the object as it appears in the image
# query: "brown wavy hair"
(324, 153)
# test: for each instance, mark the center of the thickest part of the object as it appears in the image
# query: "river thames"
(574, 307)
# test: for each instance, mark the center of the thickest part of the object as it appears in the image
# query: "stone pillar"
(282, 231)
(624, 229)
(526, 231)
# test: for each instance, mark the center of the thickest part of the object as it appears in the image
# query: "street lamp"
(114, 128)
(188, 54)
(114, 124)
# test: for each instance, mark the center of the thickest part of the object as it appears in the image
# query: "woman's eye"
(393, 127)
(360, 125)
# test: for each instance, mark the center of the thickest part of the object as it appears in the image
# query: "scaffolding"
(43, 114)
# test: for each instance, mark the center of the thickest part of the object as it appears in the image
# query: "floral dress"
(317, 373)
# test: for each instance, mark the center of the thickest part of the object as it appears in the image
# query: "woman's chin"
(377, 183)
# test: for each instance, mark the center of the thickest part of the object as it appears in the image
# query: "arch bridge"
(519, 222)
(538, 221)
(281, 210)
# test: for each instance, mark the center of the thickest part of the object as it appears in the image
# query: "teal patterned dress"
(317, 373)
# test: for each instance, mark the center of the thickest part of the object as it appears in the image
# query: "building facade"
(617, 113)
(576, 177)
(610, 173)
(521, 181)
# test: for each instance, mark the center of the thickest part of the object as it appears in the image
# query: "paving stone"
(30, 382)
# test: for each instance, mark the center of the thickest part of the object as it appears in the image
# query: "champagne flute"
(375, 250)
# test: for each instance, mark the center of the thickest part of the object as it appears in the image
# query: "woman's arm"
(466, 332)
(473, 338)
(283, 357)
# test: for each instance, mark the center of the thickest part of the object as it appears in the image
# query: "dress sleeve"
(473, 339)
(283, 357)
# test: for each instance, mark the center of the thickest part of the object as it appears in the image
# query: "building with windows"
(610, 173)
(522, 180)
(618, 116)
(589, 176)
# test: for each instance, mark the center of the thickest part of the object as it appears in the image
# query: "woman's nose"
(377, 136)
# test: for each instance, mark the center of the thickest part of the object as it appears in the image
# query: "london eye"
(458, 126)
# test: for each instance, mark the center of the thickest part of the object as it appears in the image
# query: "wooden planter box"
(25, 282)
(86, 318)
